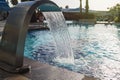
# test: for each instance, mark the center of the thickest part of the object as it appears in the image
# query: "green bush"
(117, 19)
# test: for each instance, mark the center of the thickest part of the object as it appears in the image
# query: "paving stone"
(17, 77)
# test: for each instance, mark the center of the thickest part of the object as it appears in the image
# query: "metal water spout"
(14, 34)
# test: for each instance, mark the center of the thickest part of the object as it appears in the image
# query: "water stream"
(59, 30)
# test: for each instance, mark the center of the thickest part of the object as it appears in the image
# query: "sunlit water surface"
(96, 49)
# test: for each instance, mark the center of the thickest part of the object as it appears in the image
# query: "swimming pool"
(96, 49)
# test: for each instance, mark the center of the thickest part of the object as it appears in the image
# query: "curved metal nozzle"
(14, 34)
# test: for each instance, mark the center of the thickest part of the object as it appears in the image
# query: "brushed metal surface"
(14, 34)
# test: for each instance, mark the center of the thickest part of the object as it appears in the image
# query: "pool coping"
(42, 71)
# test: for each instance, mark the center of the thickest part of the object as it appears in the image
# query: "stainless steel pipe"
(14, 34)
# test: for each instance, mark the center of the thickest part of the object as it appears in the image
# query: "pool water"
(96, 49)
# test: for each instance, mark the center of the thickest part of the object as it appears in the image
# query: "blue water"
(96, 49)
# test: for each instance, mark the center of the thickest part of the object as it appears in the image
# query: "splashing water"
(58, 27)
(96, 49)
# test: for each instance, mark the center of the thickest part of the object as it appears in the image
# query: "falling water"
(58, 27)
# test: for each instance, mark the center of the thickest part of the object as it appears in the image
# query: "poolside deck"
(41, 71)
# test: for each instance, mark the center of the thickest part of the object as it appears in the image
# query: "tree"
(117, 18)
(87, 7)
(114, 13)
(81, 6)
(66, 6)
(14, 2)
